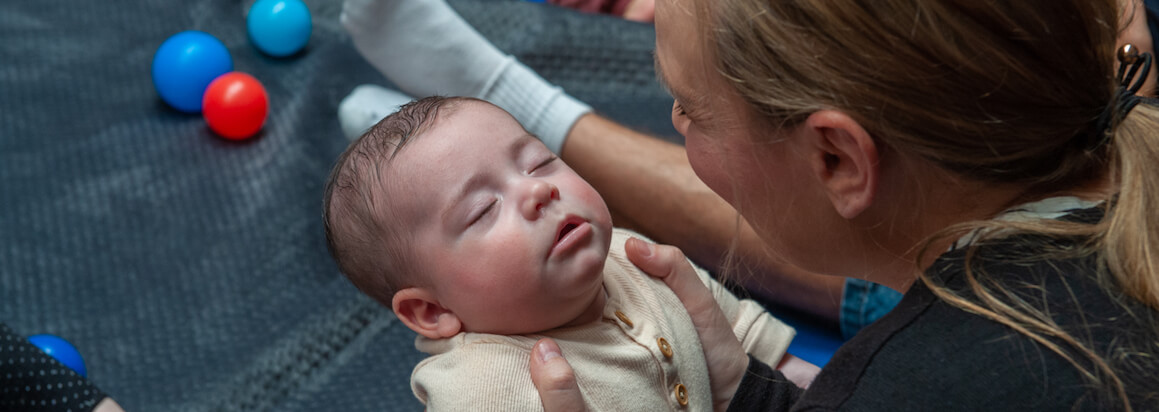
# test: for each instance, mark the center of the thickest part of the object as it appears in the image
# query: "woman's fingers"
(554, 379)
(668, 264)
(726, 358)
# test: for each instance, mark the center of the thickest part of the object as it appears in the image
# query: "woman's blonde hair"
(994, 91)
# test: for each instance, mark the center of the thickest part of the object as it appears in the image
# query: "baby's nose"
(539, 195)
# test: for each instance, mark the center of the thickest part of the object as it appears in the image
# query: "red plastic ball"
(235, 105)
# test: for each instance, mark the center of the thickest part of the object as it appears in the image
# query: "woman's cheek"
(706, 162)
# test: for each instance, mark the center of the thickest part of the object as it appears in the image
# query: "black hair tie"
(1131, 64)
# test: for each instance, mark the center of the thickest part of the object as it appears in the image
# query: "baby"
(483, 241)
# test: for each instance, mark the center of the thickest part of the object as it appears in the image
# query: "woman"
(979, 156)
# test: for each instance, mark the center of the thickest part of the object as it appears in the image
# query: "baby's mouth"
(567, 228)
(574, 232)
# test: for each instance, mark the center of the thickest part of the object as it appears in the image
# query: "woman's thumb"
(554, 379)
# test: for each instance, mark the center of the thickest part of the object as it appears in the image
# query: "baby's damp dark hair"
(374, 254)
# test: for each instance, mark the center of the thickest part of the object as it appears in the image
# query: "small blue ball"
(279, 27)
(60, 349)
(184, 66)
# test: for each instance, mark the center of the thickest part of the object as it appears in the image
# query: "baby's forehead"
(470, 124)
(460, 141)
(418, 180)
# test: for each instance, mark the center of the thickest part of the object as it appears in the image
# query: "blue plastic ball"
(184, 66)
(279, 27)
(60, 349)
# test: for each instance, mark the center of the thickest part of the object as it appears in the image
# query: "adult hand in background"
(724, 355)
(640, 10)
(643, 11)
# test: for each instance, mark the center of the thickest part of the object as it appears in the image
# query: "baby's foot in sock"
(423, 46)
(365, 106)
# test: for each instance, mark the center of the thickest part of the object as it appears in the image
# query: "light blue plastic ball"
(184, 66)
(279, 27)
(64, 352)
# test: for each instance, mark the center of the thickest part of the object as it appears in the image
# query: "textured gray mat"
(190, 271)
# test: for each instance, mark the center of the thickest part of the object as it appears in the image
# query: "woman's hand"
(724, 355)
(554, 379)
(726, 359)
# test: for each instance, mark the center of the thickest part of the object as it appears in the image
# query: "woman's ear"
(420, 310)
(845, 160)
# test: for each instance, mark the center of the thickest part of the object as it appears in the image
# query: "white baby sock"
(425, 48)
(365, 106)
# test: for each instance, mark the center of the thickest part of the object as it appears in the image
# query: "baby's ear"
(420, 310)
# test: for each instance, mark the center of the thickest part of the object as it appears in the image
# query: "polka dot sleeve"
(31, 380)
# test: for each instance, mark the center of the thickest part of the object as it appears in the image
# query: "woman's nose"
(538, 195)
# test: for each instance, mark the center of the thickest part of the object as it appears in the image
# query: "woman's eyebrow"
(683, 98)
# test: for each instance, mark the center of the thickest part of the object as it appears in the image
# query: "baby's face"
(511, 239)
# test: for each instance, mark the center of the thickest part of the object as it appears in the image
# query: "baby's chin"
(591, 266)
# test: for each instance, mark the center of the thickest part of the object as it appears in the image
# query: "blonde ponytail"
(1131, 240)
